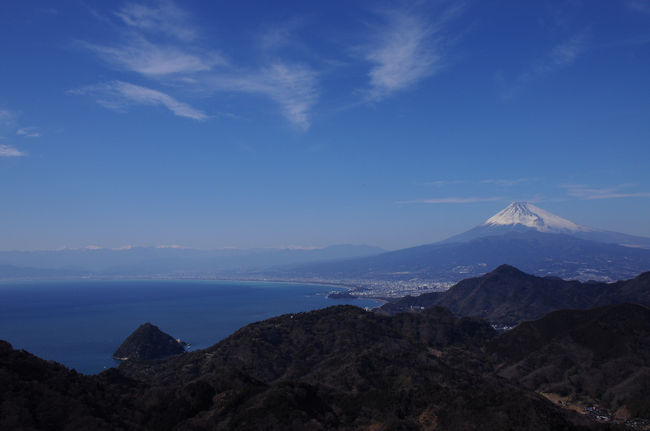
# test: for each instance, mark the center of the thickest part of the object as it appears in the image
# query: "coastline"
(109, 310)
(345, 286)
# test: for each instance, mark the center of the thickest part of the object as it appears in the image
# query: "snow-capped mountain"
(521, 235)
(525, 214)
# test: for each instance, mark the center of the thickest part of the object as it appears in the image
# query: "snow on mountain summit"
(520, 217)
(523, 213)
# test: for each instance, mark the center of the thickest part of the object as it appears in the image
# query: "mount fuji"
(524, 216)
(521, 235)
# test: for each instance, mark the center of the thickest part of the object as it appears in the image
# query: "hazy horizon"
(94, 247)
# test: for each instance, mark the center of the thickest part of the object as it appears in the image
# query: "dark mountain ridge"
(507, 296)
(339, 368)
(43, 395)
(343, 368)
(598, 356)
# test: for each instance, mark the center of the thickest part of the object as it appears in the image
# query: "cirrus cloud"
(454, 200)
(118, 94)
(155, 60)
(293, 87)
(165, 17)
(8, 151)
(407, 48)
(582, 191)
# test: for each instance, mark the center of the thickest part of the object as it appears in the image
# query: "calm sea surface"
(81, 323)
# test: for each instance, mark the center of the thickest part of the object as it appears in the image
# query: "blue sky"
(267, 124)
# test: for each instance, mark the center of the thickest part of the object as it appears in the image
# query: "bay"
(81, 323)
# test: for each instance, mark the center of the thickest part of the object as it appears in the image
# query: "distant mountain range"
(507, 296)
(522, 235)
(164, 261)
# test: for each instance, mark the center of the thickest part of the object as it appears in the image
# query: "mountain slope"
(522, 235)
(525, 214)
(507, 296)
(43, 395)
(599, 356)
(525, 217)
(339, 368)
(343, 368)
(534, 252)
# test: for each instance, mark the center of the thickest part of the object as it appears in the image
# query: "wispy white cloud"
(619, 195)
(454, 200)
(565, 53)
(8, 151)
(293, 87)
(493, 181)
(174, 246)
(149, 59)
(561, 56)
(408, 48)
(28, 132)
(8, 119)
(175, 50)
(11, 130)
(582, 191)
(281, 35)
(504, 182)
(165, 17)
(118, 94)
(180, 60)
(275, 38)
(442, 183)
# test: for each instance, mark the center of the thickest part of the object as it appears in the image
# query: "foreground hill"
(42, 395)
(599, 356)
(339, 368)
(507, 296)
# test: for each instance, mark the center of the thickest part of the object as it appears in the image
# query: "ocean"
(81, 323)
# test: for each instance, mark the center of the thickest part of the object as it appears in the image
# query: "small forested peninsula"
(148, 342)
